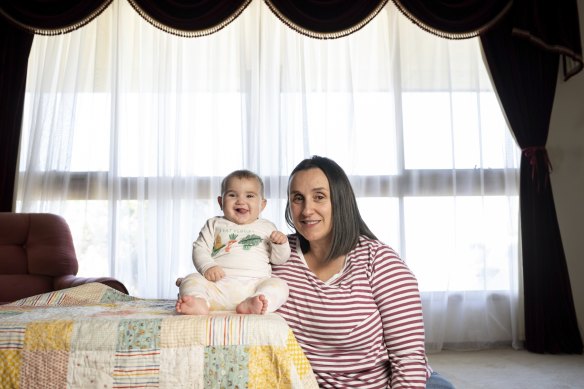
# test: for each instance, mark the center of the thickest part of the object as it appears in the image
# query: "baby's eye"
(251, 196)
(231, 194)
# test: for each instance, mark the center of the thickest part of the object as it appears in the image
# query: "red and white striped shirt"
(362, 329)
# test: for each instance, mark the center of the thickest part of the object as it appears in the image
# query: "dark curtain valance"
(553, 26)
(190, 18)
(550, 25)
(51, 17)
(454, 19)
(326, 19)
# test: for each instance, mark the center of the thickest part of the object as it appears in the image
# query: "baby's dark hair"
(242, 174)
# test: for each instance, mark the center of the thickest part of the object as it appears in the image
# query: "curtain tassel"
(531, 153)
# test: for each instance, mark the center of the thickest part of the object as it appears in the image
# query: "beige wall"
(566, 150)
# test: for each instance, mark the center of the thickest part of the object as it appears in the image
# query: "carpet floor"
(509, 369)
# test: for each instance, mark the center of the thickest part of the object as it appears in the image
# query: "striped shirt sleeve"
(395, 291)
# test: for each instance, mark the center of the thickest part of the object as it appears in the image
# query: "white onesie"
(244, 252)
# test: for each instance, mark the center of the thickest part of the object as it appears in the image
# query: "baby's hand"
(278, 237)
(214, 273)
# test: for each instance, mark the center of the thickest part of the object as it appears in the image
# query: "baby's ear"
(220, 201)
(264, 202)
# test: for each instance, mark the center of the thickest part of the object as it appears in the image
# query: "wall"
(566, 150)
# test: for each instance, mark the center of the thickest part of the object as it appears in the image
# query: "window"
(131, 145)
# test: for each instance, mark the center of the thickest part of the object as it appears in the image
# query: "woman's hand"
(214, 273)
(278, 237)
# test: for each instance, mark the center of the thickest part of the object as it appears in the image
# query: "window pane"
(461, 243)
(382, 217)
(354, 129)
(460, 130)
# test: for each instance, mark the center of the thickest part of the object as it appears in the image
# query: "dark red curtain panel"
(15, 47)
(326, 19)
(190, 17)
(454, 19)
(50, 17)
(525, 78)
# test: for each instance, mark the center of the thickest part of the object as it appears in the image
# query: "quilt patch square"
(44, 369)
(12, 336)
(90, 369)
(136, 369)
(227, 367)
(54, 335)
(10, 368)
(180, 332)
(182, 368)
(268, 367)
(112, 295)
(139, 334)
(95, 335)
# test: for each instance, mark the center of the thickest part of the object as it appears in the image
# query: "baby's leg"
(256, 305)
(192, 292)
(270, 294)
(275, 291)
(191, 305)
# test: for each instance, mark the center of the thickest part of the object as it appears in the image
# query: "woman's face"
(310, 205)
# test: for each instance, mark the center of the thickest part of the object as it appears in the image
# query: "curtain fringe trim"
(562, 50)
(58, 30)
(189, 33)
(452, 35)
(326, 35)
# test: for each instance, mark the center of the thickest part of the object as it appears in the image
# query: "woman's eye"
(297, 199)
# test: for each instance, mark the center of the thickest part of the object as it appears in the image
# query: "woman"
(354, 305)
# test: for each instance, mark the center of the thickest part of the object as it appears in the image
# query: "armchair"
(37, 256)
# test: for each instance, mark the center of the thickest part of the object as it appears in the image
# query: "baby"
(233, 254)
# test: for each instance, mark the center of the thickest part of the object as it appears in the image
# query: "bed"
(93, 336)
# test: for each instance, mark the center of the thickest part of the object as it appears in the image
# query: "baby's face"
(242, 202)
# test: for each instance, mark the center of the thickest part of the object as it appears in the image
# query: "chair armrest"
(70, 281)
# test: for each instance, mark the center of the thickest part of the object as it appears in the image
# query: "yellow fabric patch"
(55, 335)
(268, 367)
(10, 368)
(297, 356)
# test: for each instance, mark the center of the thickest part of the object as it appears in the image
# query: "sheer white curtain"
(128, 131)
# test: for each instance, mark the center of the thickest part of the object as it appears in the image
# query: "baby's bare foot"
(256, 305)
(189, 305)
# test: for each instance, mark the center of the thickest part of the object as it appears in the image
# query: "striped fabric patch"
(53, 298)
(137, 369)
(12, 336)
(137, 354)
(226, 330)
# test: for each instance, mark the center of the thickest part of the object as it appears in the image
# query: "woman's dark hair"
(347, 223)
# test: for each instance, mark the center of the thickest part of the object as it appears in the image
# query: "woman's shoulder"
(365, 241)
(374, 248)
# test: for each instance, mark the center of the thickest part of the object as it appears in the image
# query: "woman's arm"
(395, 290)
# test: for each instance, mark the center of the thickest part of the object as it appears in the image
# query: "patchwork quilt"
(93, 336)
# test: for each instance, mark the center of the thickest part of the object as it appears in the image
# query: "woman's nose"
(307, 208)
